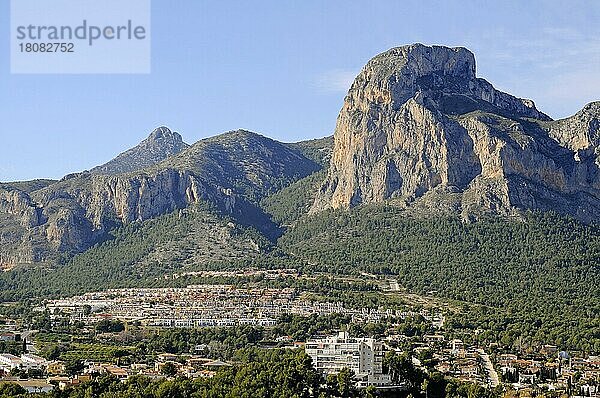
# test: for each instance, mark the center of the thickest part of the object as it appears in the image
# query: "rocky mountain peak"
(407, 65)
(161, 144)
(419, 128)
(441, 77)
(164, 135)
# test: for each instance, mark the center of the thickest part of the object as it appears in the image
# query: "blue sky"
(281, 68)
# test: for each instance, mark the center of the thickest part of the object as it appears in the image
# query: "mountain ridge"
(418, 130)
(231, 171)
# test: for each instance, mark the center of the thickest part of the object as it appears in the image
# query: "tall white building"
(363, 356)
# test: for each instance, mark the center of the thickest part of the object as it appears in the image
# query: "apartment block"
(363, 356)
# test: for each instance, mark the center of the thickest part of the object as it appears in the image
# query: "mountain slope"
(26, 186)
(294, 201)
(418, 124)
(539, 274)
(318, 150)
(161, 144)
(231, 172)
(140, 254)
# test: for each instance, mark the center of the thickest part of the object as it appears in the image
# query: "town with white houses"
(225, 306)
(205, 305)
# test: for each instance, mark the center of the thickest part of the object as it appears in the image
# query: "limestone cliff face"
(20, 221)
(230, 172)
(18, 204)
(417, 124)
(79, 211)
(580, 133)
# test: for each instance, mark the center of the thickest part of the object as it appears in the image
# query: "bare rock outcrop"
(161, 144)
(417, 125)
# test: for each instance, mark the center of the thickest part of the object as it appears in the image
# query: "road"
(28, 335)
(489, 367)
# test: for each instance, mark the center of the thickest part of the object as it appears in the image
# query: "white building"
(9, 362)
(33, 361)
(363, 356)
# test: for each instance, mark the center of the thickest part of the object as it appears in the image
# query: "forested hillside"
(140, 253)
(542, 273)
(294, 201)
